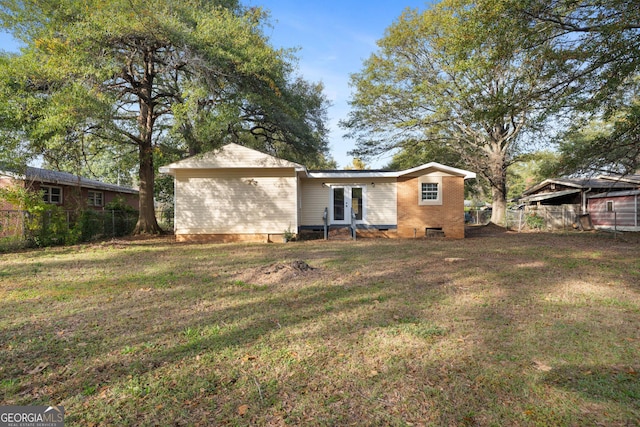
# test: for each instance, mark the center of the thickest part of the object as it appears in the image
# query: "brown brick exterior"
(414, 218)
(72, 197)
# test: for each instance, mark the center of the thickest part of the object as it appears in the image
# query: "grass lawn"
(512, 329)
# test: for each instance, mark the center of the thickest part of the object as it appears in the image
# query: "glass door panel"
(338, 204)
(356, 202)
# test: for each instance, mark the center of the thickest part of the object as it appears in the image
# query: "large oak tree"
(140, 72)
(456, 74)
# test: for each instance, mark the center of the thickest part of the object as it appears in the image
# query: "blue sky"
(334, 37)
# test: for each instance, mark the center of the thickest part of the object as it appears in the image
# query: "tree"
(601, 41)
(416, 153)
(530, 170)
(610, 145)
(148, 69)
(357, 164)
(455, 75)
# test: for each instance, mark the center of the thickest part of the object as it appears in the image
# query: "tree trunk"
(498, 181)
(147, 223)
(498, 207)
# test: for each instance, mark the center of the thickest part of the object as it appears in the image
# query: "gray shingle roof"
(581, 183)
(64, 178)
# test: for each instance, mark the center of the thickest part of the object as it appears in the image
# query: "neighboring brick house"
(67, 190)
(236, 193)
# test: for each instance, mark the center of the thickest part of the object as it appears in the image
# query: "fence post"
(113, 223)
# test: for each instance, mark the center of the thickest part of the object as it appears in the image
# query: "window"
(51, 195)
(95, 198)
(429, 191)
(609, 206)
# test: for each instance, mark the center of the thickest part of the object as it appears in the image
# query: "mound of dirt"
(490, 229)
(276, 273)
(297, 266)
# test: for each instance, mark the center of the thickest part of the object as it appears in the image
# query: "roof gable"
(231, 156)
(438, 167)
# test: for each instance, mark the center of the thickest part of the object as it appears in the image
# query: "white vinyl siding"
(315, 198)
(236, 202)
(382, 203)
(234, 156)
(380, 199)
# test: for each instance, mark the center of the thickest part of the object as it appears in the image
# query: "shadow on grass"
(603, 383)
(391, 328)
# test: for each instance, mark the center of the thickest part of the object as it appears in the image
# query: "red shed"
(616, 210)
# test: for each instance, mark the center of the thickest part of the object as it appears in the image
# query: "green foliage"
(21, 197)
(288, 235)
(416, 153)
(49, 225)
(597, 43)
(534, 221)
(607, 146)
(455, 80)
(531, 170)
(44, 224)
(119, 204)
(98, 78)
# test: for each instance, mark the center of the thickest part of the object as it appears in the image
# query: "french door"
(344, 198)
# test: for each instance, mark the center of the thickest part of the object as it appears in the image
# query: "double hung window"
(51, 195)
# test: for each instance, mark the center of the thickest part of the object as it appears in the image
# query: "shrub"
(534, 221)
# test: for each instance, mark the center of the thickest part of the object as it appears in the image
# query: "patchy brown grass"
(500, 329)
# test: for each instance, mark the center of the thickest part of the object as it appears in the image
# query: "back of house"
(239, 194)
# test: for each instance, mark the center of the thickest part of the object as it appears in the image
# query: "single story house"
(68, 190)
(239, 194)
(619, 210)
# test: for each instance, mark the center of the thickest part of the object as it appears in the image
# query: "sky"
(333, 38)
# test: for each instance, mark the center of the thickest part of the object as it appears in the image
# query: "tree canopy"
(189, 74)
(456, 75)
(601, 40)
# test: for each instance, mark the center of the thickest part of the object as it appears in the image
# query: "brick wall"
(414, 218)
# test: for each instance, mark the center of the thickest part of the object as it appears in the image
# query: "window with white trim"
(96, 198)
(430, 190)
(51, 195)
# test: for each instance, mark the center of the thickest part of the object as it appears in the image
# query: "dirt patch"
(490, 229)
(278, 272)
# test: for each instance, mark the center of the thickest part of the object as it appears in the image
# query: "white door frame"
(347, 203)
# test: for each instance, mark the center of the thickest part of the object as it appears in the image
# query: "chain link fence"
(23, 229)
(545, 217)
